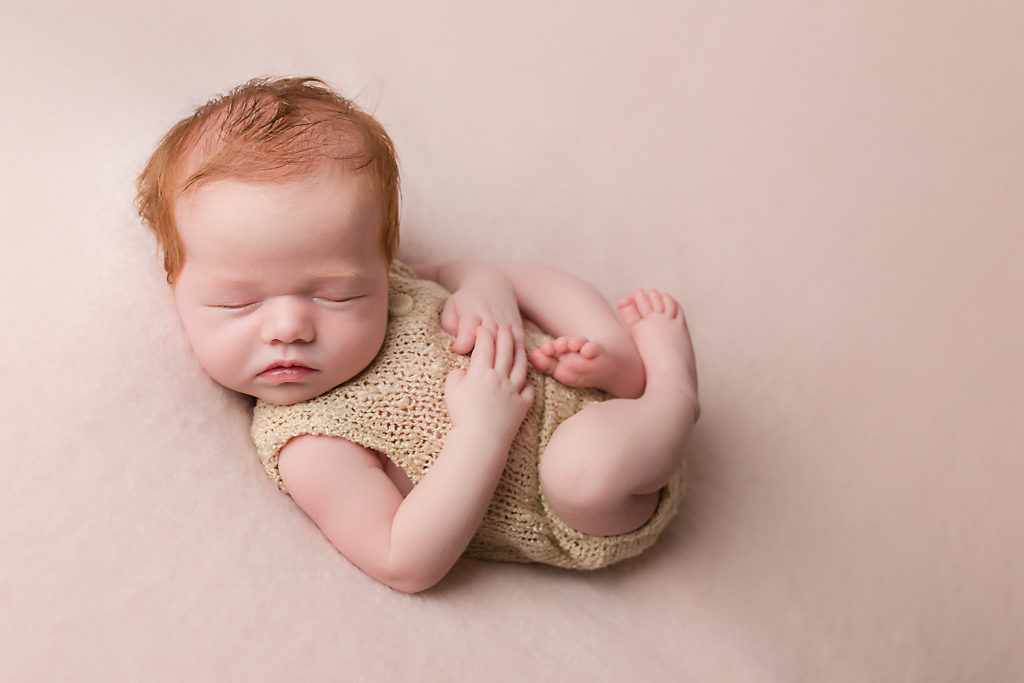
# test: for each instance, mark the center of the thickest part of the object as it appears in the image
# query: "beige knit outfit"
(396, 407)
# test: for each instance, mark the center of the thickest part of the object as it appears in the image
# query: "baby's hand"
(489, 303)
(493, 393)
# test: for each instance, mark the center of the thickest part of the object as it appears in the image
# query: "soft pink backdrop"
(834, 190)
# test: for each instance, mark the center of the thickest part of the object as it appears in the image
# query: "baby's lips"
(285, 364)
(279, 372)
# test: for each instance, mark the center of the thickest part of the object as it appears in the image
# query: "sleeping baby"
(415, 413)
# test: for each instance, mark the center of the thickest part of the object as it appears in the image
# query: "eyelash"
(242, 307)
(236, 307)
(332, 300)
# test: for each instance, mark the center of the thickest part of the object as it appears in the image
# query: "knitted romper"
(396, 407)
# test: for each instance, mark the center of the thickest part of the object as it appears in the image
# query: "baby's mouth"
(283, 371)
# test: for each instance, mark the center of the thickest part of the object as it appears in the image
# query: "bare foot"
(581, 362)
(659, 331)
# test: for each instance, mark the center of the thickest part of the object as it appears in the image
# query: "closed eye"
(336, 299)
(235, 307)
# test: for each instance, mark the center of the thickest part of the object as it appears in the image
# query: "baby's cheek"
(220, 354)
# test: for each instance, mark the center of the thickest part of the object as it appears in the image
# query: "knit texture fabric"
(396, 407)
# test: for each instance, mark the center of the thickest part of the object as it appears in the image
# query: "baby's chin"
(287, 393)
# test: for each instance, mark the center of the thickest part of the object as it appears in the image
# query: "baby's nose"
(287, 320)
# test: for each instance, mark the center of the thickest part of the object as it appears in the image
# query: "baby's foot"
(570, 360)
(581, 362)
(658, 326)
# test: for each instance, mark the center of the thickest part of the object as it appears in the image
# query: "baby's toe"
(643, 303)
(628, 311)
(591, 350)
(542, 361)
(576, 343)
(657, 305)
(670, 304)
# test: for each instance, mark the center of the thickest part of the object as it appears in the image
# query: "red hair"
(268, 130)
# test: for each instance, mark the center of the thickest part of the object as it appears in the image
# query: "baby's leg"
(604, 467)
(592, 348)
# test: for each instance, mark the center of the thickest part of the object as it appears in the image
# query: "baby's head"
(276, 209)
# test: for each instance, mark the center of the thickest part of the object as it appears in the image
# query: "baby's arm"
(491, 295)
(411, 543)
(592, 347)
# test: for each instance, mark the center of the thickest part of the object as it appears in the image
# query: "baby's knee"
(575, 483)
(595, 500)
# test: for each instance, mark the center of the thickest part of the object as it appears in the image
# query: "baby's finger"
(483, 351)
(468, 326)
(518, 335)
(519, 366)
(450, 318)
(453, 379)
(527, 393)
(503, 351)
(491, 326)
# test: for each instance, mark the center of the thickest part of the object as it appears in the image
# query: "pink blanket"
(833, 192)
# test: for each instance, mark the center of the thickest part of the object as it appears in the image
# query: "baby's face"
(284, 291)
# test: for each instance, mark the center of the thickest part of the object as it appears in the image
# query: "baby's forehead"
(278, 230)
(226, 207)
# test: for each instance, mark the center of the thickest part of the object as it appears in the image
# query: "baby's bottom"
(604, 467)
